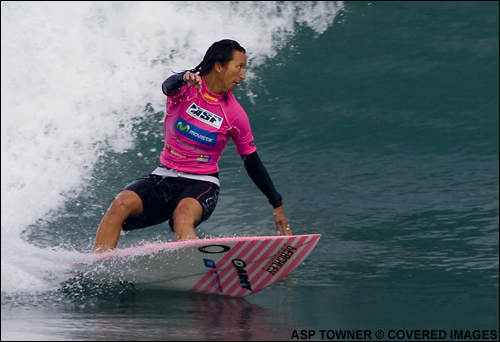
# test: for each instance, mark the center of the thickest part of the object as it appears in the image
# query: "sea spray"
(75, 76)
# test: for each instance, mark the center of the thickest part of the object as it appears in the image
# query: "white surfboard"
(236, 266)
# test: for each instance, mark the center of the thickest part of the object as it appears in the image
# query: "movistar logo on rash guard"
(204, 115)
(195, 133)
(183, 128)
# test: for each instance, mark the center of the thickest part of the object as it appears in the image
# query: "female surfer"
(202, 114)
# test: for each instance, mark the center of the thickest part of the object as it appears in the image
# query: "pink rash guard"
(198, 125)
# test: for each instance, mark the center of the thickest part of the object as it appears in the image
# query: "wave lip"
(76, 75)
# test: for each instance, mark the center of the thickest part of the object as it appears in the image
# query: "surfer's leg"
(187, 215)
(126, 204)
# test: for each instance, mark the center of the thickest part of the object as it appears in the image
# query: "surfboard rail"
(232, 266)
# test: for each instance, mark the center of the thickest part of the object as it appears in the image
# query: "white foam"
(75, 74)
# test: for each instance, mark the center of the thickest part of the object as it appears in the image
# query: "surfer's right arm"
(172, 85)
(259, 175)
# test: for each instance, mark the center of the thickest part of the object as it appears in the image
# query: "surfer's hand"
(282, 224)
(192, 79)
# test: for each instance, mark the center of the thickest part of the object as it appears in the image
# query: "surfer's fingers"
(286, 229)
(278, 228)
(188, 77)
(196, 81)
(192, 79)
(283, 227)
(282, 224)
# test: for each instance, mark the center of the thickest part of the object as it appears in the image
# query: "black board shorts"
(160, 196)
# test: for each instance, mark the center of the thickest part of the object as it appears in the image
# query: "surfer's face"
(234, 72)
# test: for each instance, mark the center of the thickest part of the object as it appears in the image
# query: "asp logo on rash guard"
(195, 133)
(204, 116)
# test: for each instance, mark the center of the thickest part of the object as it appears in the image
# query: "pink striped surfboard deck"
(235, 266)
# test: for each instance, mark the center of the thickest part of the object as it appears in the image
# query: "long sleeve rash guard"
(198, 125)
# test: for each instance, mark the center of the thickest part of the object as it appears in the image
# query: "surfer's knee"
(126, 204)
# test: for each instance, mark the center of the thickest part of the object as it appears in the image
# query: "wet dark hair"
(222, 52)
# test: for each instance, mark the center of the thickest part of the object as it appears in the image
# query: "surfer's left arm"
(172, 85)
(259, 175)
